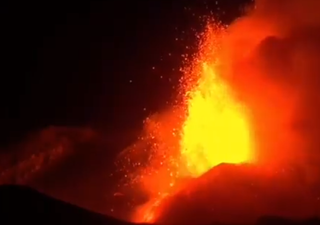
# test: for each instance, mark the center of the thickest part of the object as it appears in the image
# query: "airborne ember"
(211, 126)
(249, 97)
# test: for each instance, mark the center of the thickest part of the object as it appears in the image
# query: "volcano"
(241, 194)
(226, 151)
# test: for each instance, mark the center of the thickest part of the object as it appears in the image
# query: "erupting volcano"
(244, 100)
(239, 142)
(209, 127)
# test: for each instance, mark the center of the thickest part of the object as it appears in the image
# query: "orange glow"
(210, 126)
(216, 129)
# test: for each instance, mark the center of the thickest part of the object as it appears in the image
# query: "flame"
(210, 126)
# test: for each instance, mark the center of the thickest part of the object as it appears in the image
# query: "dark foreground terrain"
(20, 204)
(23, 205)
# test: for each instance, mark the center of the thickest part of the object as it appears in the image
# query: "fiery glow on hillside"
(208, 127)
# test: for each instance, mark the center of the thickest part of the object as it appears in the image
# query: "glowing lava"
(216, 128)
(209, 127)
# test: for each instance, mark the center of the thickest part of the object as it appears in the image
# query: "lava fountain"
(216, 127)
(210, 126)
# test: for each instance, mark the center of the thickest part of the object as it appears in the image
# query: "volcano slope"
(242, 194)
(20, 204)
(23, 205)
(71, 164)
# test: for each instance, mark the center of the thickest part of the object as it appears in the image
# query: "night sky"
(105, 65)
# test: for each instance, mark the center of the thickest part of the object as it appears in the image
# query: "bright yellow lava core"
(216, 129)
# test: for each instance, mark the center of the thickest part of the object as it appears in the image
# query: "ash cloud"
(273, 59)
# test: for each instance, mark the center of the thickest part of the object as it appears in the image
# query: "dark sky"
(70, 64)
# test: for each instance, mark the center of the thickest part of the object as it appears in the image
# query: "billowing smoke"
(272, 55)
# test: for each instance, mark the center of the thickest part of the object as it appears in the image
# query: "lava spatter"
(207, 127)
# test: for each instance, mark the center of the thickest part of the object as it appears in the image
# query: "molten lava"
(216, 129)
(211, 126)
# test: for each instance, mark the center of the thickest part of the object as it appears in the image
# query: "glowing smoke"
(272, 57)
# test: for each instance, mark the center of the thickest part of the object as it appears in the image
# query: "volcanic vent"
(235, 148)
(211, 126)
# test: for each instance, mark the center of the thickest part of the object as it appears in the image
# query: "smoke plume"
(272, 56)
